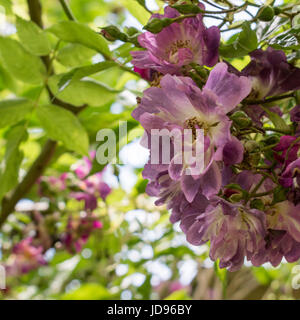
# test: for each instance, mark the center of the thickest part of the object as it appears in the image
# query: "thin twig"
(213, 4)
(67, 10)
(272, 99)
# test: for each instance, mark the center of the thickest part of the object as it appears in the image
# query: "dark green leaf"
(245, 42)
(278, 122)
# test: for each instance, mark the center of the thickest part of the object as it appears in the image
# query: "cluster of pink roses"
(246, 201)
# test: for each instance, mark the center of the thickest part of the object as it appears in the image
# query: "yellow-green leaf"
(62, 125)
(74, 32)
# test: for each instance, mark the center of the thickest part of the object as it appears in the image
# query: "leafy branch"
(40, 164)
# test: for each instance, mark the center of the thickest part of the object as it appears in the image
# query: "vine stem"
(234, 9)
(257, 187)
(277, 130)
(213, 4)
(272, 99)
(208, 12)
(67, 10)
(262, 194)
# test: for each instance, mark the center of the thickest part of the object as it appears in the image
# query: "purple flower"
(234, 232)
(95, 185)
(285, 216)
(290, 178)
(179, 104)
(233, 152)
(58, 183)
(286, 156)
(283, 238)
(92, 187)
(286, 150)
(85, 167)
(78, 232)
(174, 193)
(295, 114)
(25, 258)
(279, 245)
(90, 201)
(271, 74)
(256, 113)
(146, 74)
(178, 45)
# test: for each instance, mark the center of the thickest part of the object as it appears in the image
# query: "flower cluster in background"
(68, 231)
(246, 202)
(24, 258)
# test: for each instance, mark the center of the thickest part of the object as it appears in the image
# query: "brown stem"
(35, 12)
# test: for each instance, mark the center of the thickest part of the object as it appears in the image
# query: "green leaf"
(124, 51)
(79, 73)
(244, 42)
(280, 194)
(82, 92)
(9, 173)
(75, 55)
(13, 111)
(63, 125)
(178, 295)
(7, 5)
(278, 122)
(20, 63)
(143, 4)
(33, 38)
(187, 8)
(140, 13)
(75, 32)
(89, 291)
